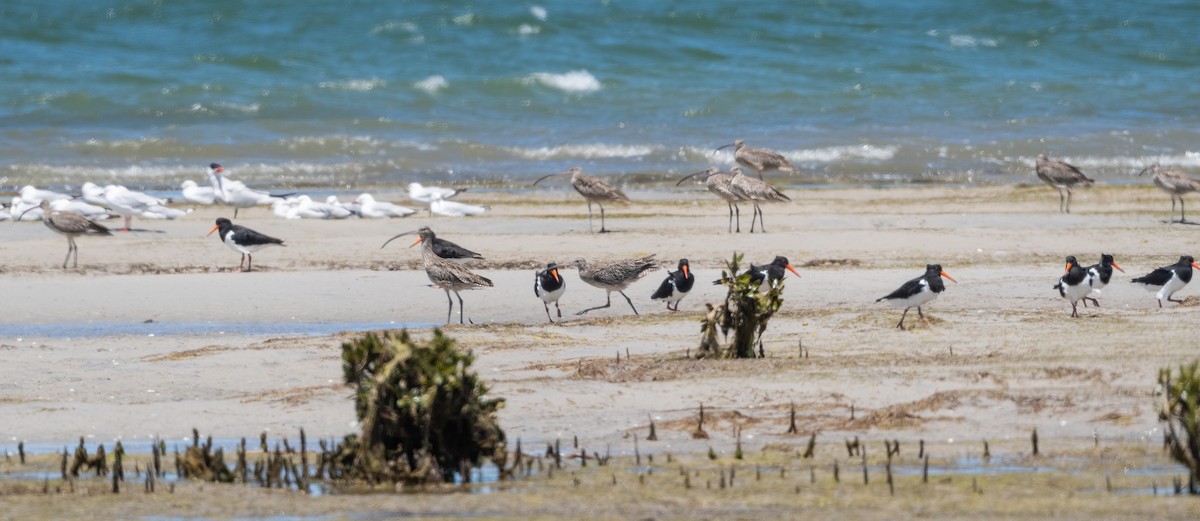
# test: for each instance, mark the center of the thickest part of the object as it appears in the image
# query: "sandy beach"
(1002, 356)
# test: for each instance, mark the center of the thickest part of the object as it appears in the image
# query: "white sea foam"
(538, 12)
(579, 81)
(528, 30)
(822, 155)
(432, 84)
(359, 85)
(593, 151)
(963, 40)
(248, 108)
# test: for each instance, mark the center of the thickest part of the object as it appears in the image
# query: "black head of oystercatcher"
(548, 285)
(1100, 273)
(1168, 279)
(242, 240)
(1075, 284)
(918, 292)
(677, 284)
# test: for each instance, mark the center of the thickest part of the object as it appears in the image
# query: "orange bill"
(947, 275)
(210, 232)
(793, 270)
(1114, 263)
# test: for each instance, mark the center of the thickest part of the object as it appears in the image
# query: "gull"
(235, 193)
(91, 211)
(194, 193)
(378, 210)
(440, 206)
(354, 207)
(424, 194)
(32, 195)
(23, 211)
(308, 209)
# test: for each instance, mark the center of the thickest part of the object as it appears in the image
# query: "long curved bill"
(689, 176)
(548, 175)
(947, 275)
(724, 147)
(397, 237)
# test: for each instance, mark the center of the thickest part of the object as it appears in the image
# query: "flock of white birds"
(99, 203)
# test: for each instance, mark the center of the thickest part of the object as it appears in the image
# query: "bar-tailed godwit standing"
(1062, 177)
(613, 276)
(71, 225)
(676, 286)
(594, 190)
(759, 159)
(1074, 285)
(549, 286)
(1100, 274)
(1173, 181)
(718, 183)
(1165, 281)
(755, 191)
(918, 292)
(447, 275)
(243, 240)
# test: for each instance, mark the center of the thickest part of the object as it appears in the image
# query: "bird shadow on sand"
(139, 230)
(1192, 223)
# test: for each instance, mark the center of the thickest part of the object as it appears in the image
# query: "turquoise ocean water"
(357, 93)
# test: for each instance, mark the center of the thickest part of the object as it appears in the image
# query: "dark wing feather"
(1158, 277)
(906, 290)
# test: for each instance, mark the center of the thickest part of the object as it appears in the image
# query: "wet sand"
(1001, 357)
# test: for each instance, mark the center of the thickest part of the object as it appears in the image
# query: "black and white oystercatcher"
(768, 273)
(918, 292)
(442, 248)
(677, 284)
(1168, 279)
(1075, 284)
(549, 286)
(243, 240)
(447, 275)
(1100, 274)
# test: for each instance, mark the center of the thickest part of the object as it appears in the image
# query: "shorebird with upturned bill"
(918, 292)
(549, 286)
(1100, 274)
(1176, 182)
(718, 183)
(447, 275)
(759, 159)
(594, 190)
(613, 276)
(676, 286)
(1074, 285)
(243, 240)
(756, 191)
(1062, 176)
(442, 247)
(71, 225)
(1165, 281)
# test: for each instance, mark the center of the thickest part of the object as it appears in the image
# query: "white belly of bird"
(920, 299)
(551, 296)
(1168, 289)
(1076, 292)
(241, 248)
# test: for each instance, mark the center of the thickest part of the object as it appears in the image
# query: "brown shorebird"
(758, 159)
(243, 240)
(1062, 177)
(443, 248)
(447, 275)
(755, 191)
(594, 190)
(70, 224)
(717, 182)
(1173, 181)
(614, 276)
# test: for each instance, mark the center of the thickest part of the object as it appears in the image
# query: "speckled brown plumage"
(1176, 182)
(71, 225)
(718, 183)
(1062, 176)
(759, 159)
(614, 276)
(447, 275)
(594, 190)
(755, 191)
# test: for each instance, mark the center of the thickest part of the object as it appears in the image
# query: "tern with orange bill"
(918, 292)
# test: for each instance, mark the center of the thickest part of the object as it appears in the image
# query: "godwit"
(593, 189)
(613, 276)
(243, 240)
(718, 182)
(918, 292)
(676, 286)
(548, 285)
(1175, 182)
(1100, 273)
(1074, 285)
(1062, 177)
(371, 208)
(758, 159)
(447, 275)
(755, 191)
(1168, 279)
(70, 224)
(442, 248)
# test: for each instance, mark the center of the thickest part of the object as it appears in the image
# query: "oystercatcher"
(918, 292)
(1075, 284)
(442, 248)
(548, 285)
(614, 276)
(243, 240)
(1168, 279)
(768, 273)
(676, 286)
(1100, 274)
